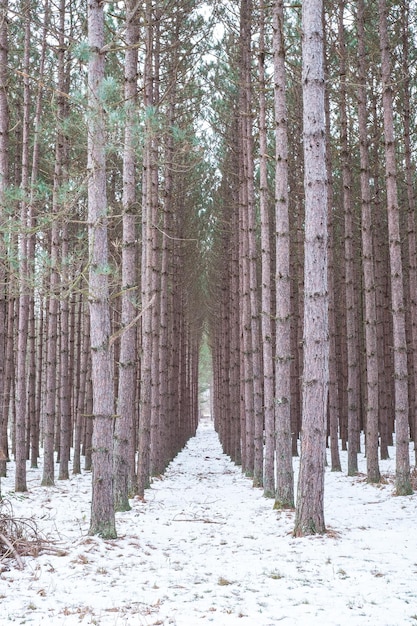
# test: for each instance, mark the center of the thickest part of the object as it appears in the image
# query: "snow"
(207, 548)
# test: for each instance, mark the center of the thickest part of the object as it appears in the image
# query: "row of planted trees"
(264, 314)
(102, 185)
(139, 149)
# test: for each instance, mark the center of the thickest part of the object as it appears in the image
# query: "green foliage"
(81, 51)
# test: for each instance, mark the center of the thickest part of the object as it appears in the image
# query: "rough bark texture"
(4, 181)
(371, 339)
(350, 275)
(266, 303)
(333, 410)
(24, 298)
(310, 507)
(123, 433)
(403, 484)
(102, 505)
(284, 496)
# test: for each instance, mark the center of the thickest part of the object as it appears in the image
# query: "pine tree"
(310, 496)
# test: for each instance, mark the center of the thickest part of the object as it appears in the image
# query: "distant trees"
(175, 195)
(364, 223)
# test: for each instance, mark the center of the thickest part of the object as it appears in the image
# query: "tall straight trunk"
(350, 275)
(24, 290)
(48, 476)
(266, 304)
(4, 181)
(166, 269)
(102, 505)
(310, 496)
(251, 321)
(284, 496)
(333, 411)
(64, 305)
(402, 481)
(32, 440)
(65, 370)
(235, 357)
(9, 405)
(143, 469)
(368, 269)
(384, 325)
(155, 268)
(411, 220)
(83, 354)
(123, 433)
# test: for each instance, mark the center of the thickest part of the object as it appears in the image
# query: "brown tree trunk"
(80, 410)
(411, 223)
(24, 295)
(371, 339)
(266, 303)
(102, 505)
(310, 496)
(123, 433)
(403, 483)
(4, 181)
(349, 248)
(143, 468)
(284, 496)
(333, 410)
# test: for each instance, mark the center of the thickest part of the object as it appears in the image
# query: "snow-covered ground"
(207, 548)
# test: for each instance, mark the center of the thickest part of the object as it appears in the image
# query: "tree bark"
(368, 269)
(284, 496)
(310, 496)
(403, 483)
(123, 434)
(4, 182)
(266, 302)
(102, 506)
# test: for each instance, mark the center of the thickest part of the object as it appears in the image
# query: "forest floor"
(207, 548)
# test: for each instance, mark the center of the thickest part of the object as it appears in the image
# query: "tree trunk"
(123, 433)
(24, 295)
(4, 182)
(284, 496)
(403, 483)
(333, 410)
(411, 221)
(266, 304)
(143, 469)
(102, 505)
(350, 282)
(371, 339)
(310, 506)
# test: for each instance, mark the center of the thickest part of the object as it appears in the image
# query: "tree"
(102, 504)
(309, 517)
(284, 496)
(403, 483)
(124, 439)
(4, 181)
(266, 262)
(368, 270)
(351, 307)
(24, 271)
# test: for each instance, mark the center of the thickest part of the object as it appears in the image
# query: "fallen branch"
(20, 536)
(11, 547)
(205, 520)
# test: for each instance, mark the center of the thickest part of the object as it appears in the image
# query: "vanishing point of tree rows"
(240, 176)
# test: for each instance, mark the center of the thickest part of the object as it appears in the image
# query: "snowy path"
(207, 548)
